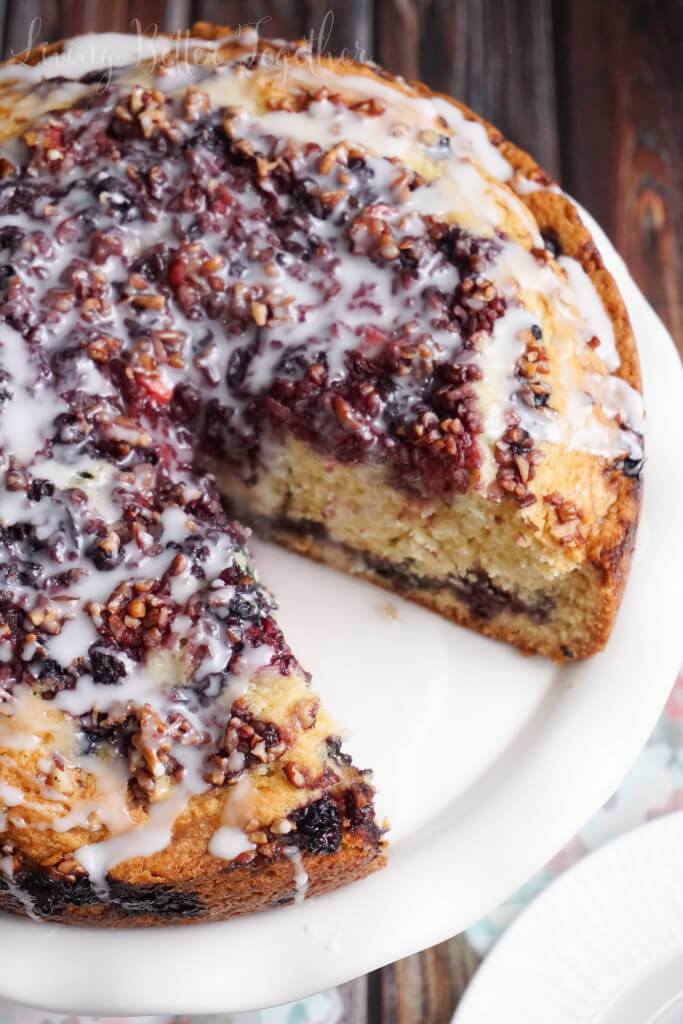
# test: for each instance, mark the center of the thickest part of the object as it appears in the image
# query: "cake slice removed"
(442, 393)
(388, 332)
(392, 341)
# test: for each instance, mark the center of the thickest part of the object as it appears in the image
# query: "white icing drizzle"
(591, 396)
(590, 305)
(94, 476)
(108, 50)
(525, 186)
(470, 148)
(99, 858)
(227, 842)
(31, 409)
(293, 853)
(154, 686)
(498, 358)
(463, 186)
(10, 796)
(473, 139)
(7, 872)
(475, 185)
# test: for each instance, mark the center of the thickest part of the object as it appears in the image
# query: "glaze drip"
(187, 271)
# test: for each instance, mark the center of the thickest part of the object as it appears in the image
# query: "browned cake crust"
(185, 882)
(609, 549)
(608, 543)
(556, 215)
(506, 626)
(192, 889)
(336, 840)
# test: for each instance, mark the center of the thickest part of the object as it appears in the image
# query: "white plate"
(486, 763)
(602, 945)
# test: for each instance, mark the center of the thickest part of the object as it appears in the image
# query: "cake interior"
(344, 338)
(468, 559)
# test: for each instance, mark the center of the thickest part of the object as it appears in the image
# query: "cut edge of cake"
(147, 887)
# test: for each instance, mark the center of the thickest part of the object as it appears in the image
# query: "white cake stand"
(486, 764)
(603, 943)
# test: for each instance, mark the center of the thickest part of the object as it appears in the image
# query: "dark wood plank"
(276, 17)
(426, 987)
(342, 27)
(39, 21)
(331, 27)
(178, 15)
(399, 26)
(90, 16)
(29, 23)
(620, 85)
(3, 24)
(404, 992)
(151, 15)
(495, 55)
(354, 997)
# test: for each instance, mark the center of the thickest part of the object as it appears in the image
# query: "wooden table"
(592, 89)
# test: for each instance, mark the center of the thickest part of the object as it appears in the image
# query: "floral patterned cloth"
(324, 1008)
(653, 787)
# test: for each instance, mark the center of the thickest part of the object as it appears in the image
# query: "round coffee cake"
(245, 284)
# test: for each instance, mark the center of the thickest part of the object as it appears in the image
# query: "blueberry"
(40, 489)
(106, 669)
(319, 829)
(104, 559)
(632, 467)
(240, 608)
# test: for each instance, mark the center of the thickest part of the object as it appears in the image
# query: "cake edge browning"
(609, 551)
(217, 889)
(226, 891)
(609, 555)
(509, 627)
(555, 212)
